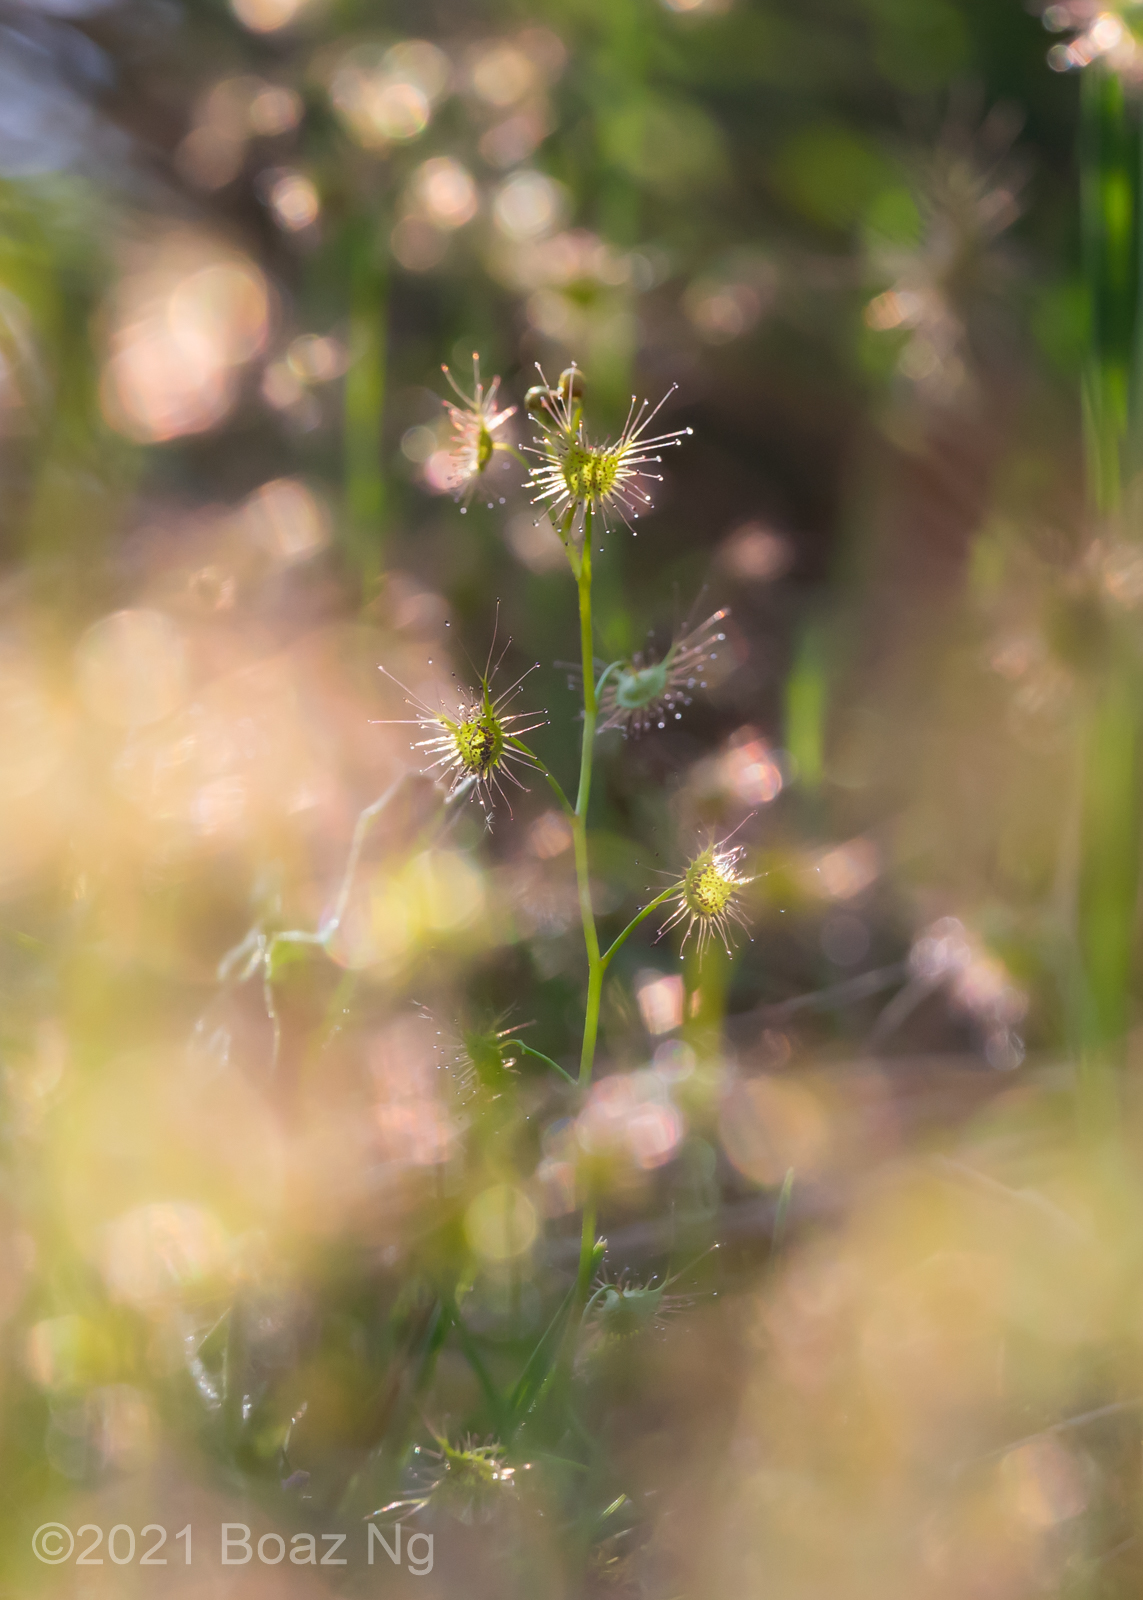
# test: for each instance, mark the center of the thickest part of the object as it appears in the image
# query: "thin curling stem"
(538, 1055)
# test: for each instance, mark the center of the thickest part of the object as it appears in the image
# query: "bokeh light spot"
(1045, 1483)
(528, 206)
(501, 1223)
(769, 1125)
(294, 201)
(220, 311)
(755, 552)
(418, 444)
(64, 1352)
(445, 191)
(317, 358)
(159, 1250)
(750, 770)
(275, 110)
(281, 387)
(503, 74)
(842, 873)
(535, 543)
(182, 323)
(132, 668)
(418, 244)
(721, 312)
(286, 519)
(550, 835)
(629, 1117)
(388, 96)
(660, 1000)
(267, 16)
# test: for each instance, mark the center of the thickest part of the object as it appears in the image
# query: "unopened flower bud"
(538, 400)
(572, 384)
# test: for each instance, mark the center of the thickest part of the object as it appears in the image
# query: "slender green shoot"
(538, 1055)
(659, 900)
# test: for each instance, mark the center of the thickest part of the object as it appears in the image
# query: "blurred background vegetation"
(278, 1217)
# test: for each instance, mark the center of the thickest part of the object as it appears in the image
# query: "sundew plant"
(476, 750)
(571, 917)
(584, 482)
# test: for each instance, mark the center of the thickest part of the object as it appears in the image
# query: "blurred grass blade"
(1109, 867)
(540, 1364)
(806, 709)
(480, 1371)
(364, 402)
(1109, 204)
(781, 1212)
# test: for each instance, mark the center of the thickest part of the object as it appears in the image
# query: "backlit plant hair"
(642, 693)
(625, 1308)
(708, 896)
(574, 476)
(474, 423)
(475, 748)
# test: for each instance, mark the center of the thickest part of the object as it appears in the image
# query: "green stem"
(636, 920)
(583, 799)
(511, 450)
(557, 787)
(586, 1257)
(591, 1020)
(365, 821)
(587, 649)
(604, 675)
(595, 965)
(538, 1055)
(564, 534)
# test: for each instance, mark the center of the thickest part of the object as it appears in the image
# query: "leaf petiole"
(636, 920)
(539, 1055)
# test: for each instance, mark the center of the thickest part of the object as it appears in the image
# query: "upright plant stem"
(586, 1250)
(595, 965)
(579, 823)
